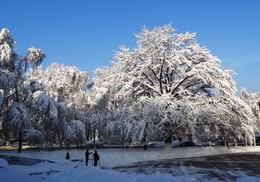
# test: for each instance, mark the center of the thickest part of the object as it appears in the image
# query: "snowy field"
(64, 170)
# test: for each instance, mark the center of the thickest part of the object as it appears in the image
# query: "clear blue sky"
(86, 33)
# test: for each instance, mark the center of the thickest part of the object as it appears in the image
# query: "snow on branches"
(62, 83)
(174, 74)
(35, 56)
(16, 119)
(6, 48)
(167, 85)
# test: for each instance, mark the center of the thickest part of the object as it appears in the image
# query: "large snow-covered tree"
(66, 85)
(165, 62)
(12, 75)
(171, 72)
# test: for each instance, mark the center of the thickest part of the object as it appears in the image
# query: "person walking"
(96, 158)
(87, 156)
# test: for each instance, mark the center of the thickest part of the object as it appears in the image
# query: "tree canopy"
(173, 75)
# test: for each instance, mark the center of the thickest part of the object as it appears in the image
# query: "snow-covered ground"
(64, 170)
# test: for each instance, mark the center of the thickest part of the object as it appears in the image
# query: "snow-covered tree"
(54, 118)
(174, 73)
(13, 66)
(12, 75)
(165, 62)
(8, 74)
(253, 100)
(35, 56)
(34, 137)
(226, 118)
(63, 83)
(66, 129)
(120, 128)
(7, 52)
(16, 120)
(75, 132)
(66, 86)
(44, 116)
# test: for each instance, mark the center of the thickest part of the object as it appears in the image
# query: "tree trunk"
(94, 141)
(161, 75)
(20, 140)
(77, 145)
(61, 147)
(123, 143)
(60, 139)
(254, 140)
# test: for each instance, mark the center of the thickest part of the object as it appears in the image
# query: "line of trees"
(165, 86)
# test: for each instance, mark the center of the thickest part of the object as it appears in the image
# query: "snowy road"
(135, 165)
(225, 167)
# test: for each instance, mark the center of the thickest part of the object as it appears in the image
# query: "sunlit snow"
(64, 170)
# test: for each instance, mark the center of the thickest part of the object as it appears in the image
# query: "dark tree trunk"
(94, 140)
(20, 140)
(60, 139)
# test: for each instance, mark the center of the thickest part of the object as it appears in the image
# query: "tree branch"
(181, 82)
(150, 69)
(149, 79)
(152, 88)
(161, 74)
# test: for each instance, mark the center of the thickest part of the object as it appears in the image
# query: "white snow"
(64, 170)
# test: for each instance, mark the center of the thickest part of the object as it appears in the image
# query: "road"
(228, 167)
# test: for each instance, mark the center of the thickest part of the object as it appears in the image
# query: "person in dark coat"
(68, 156)
(87, 156)
(96, 158)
